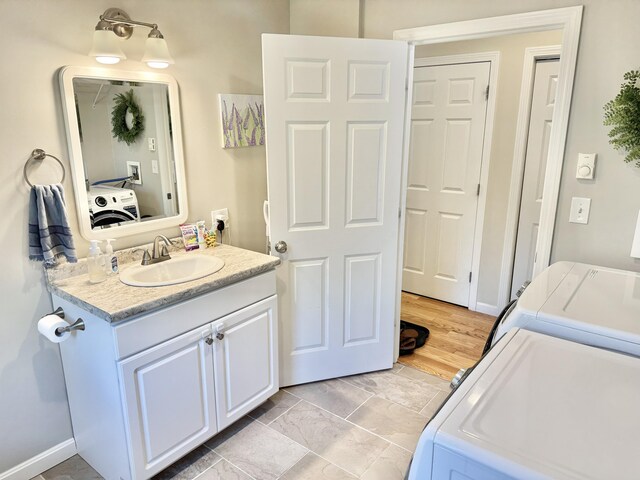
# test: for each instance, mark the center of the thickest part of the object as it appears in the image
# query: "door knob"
(209, 340)
(281, 247)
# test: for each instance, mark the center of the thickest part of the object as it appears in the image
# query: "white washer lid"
(542, 287)
(550, 407)
(601, 300)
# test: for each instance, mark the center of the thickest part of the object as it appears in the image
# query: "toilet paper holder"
(77, 325)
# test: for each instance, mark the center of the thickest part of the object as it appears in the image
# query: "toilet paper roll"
(47, 326)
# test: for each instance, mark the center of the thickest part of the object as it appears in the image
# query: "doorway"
(482, 303)
(535, 117)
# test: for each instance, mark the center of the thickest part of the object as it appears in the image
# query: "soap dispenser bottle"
(96, 263)
(111, 260)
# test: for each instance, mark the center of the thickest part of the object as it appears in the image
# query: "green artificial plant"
(126, 103)
(623, 115)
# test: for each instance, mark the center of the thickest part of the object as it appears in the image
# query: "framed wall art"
(242, 119)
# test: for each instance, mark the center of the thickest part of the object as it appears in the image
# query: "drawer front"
(143, 332)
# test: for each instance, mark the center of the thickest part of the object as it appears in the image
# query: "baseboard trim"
(488, 309)
(41, 462)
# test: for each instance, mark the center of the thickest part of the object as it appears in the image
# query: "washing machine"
(537, 407)
(584, 303)
(112, 205)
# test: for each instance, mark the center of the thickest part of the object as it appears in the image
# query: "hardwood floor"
(457, 335)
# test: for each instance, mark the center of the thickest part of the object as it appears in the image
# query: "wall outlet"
(220, 214)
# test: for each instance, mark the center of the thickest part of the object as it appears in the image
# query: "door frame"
(568, 19)
(494, 60)
(531, 56)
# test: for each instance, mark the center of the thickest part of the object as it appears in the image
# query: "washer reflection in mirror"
(130, 178)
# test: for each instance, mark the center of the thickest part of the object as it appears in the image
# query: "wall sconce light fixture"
(115, 24)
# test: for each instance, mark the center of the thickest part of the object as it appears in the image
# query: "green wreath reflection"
(126, 103)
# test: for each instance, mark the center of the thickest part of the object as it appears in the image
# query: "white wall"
(216, 45)
(608, 48)
(511, 48)
(329, 18)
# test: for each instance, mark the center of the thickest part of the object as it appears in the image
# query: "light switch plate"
(586, 166)
(580, 207)
(154, 166)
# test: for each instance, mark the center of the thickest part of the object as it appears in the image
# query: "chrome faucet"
(160, 255)
(157, 254)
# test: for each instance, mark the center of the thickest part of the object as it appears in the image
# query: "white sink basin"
(177, 270)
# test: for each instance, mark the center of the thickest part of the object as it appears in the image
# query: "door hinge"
(399, 213)
(486, 93)
(478, 190)
(470, 276)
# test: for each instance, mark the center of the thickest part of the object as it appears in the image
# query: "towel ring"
(38, 154)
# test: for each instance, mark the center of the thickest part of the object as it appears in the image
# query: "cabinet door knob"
(209, 340)
(219, 335)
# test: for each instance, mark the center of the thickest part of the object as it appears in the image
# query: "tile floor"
(364, 426)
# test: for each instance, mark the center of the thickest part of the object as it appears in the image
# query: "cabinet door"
(246, 360)
(168, 400)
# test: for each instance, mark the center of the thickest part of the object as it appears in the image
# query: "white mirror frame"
(66, 76)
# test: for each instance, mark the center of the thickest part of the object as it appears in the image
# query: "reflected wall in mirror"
(125, 146)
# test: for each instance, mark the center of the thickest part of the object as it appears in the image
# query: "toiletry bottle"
(111, 260)
(96, 263)
(201, 229)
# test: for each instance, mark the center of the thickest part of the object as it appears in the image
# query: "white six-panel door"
(334, 115)
(447, 135)
(542, 104)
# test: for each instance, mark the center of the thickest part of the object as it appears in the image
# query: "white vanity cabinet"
(146, 391)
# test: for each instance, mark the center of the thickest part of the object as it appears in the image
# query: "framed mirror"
(125, 148)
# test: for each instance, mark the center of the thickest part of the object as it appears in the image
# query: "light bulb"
(108, 60)
(158, 64)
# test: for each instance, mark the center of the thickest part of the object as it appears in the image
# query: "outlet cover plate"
(220, 214)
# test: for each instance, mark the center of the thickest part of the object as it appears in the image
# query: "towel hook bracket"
(39, 155)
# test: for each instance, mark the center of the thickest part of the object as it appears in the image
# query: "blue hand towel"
(49, 233)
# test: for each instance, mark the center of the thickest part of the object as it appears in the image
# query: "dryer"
(537, 407)
(583, 303)
(112, 205)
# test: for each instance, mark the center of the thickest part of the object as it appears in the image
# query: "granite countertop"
(114, 301)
